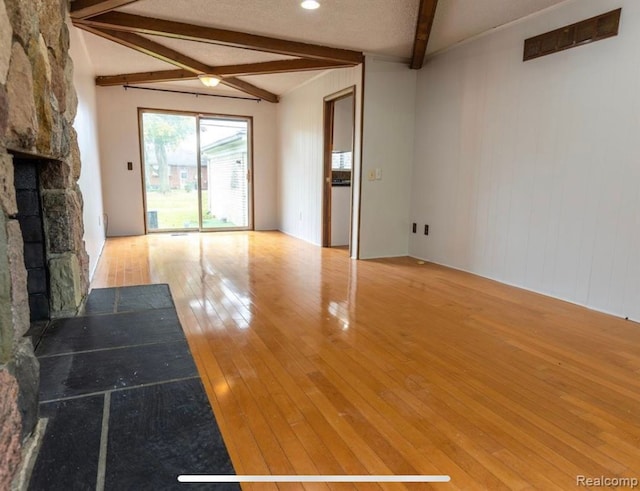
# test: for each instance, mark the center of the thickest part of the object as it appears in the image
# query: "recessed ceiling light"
(310, 4)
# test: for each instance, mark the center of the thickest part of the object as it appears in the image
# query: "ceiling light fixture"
(310, 4)
(209, 80)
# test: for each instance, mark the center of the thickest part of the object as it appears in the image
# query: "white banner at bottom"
(186, 478)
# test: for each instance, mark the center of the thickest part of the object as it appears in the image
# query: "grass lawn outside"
(178, 209)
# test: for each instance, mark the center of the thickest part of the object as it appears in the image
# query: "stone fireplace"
(40, 205)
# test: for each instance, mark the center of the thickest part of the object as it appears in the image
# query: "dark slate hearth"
(101, 301)
(157, 433)
(110, 331)
(122, 379)
(68, 457)
(145, 297)
(128, 299)
(103, 370)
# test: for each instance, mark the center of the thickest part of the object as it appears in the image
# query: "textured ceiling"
(383, 27)
(380, 26)
(457, 20)
(280, 83)
(216, 55)
(109, 58)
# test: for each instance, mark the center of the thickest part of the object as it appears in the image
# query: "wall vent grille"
(587, 31)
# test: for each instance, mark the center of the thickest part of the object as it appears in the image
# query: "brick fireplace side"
(37, 109)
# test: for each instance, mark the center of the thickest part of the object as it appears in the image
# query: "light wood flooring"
(317, 364)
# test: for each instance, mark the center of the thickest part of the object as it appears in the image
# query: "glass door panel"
(170, 156)
(225, 173)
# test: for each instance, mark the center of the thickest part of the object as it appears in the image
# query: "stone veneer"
(37, 107)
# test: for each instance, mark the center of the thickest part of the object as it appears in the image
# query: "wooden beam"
(168, 55)
(158, 51)
(426, 14)
(81, 9)
(145, 77)
(248, 88)
(278, 66)
(268, 67)
(147, 25)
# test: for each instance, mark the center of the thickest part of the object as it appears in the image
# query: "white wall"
(528, 172)
(119, 144)
(85, 125)
(388, 140)
(300, 152)
(340, 216)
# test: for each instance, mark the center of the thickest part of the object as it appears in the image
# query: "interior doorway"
(339, 141)
(196, 171)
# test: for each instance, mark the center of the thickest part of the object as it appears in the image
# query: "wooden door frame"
(327, 148)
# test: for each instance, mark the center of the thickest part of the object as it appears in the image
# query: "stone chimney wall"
(37, 109)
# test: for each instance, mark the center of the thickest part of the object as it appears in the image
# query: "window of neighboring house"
(184, 175)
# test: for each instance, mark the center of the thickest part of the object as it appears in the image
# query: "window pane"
(170, 167)
(225, 167)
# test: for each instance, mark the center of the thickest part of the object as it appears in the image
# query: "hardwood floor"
(317, 364)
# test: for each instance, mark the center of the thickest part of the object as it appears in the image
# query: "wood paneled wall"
(300, 152)
(528, 172)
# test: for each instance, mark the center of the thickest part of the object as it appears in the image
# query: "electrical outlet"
(426, 229)
(129, 165)
(415, 228)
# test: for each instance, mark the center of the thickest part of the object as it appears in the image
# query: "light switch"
(372, 175)
(378, 174)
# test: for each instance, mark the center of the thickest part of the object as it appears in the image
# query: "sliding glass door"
(224, 173)
(197, 171)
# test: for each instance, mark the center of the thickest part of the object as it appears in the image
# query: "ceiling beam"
(81, 9)
(426, 14)
(250, 89)
(147, 25)
(168, 55)
(145, 77)
(278, 66)
(264, 68)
